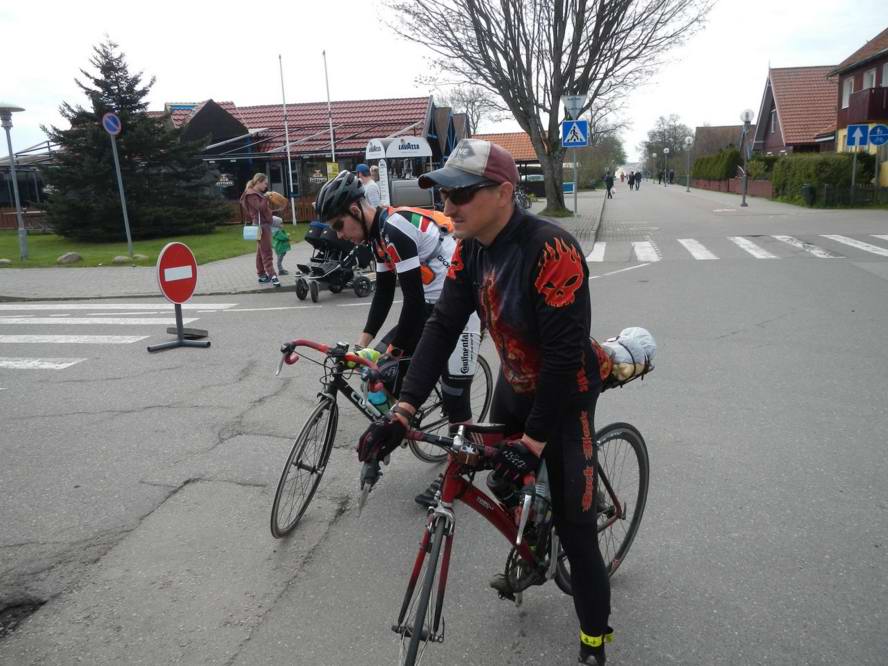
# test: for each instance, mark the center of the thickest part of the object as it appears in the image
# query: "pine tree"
(169, 190)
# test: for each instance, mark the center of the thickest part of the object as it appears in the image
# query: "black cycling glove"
(514, 461)
(381, 438)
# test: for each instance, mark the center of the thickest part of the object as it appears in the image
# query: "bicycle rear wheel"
(434, 419)
(304, 468)
(421, 616)
(623, 477)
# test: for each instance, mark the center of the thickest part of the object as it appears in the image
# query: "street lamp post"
(6, 111)
(665, 167)
(688, 141)
(746, 117)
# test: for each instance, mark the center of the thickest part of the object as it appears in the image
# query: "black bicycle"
(308, 458)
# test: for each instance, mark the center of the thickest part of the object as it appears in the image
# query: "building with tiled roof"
(517, 143)
(710, 139)
(862, 93)
(245, 139)
(797, 111)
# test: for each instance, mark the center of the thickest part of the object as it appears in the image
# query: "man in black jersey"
(528, 281)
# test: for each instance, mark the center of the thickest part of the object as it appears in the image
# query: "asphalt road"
(135, 488)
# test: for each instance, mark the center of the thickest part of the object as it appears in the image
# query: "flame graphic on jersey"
(456, 261)
(520, 362)
(560, 273)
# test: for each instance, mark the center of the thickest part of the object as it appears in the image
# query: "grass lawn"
(44, 249)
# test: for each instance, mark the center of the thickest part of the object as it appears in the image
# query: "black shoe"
(501, 584)
(426, 498)
(263, 279)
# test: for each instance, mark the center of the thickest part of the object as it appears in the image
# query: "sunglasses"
(460, 196)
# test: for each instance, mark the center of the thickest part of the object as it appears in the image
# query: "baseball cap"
(363, 169)
(472, 162)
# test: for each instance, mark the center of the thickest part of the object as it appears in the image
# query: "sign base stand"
(181, 340)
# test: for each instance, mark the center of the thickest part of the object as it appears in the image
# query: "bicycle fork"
(425, 547)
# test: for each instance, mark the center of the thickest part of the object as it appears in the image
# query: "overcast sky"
(228, 51)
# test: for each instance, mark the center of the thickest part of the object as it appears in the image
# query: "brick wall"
(755, 188)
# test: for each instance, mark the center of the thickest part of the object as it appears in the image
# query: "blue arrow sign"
(878, 135)
(112, 123)
(575, 133)
(858, 135)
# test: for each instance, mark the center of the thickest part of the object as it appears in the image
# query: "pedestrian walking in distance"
(609, 184)
(631, 180)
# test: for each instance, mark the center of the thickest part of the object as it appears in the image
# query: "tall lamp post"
(6, 111)
(656, 166)
(665, 166)
(688, 141)
(746, 117)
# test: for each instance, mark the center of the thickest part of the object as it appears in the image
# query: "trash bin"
(808, 193)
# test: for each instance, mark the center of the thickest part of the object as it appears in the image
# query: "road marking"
(882, 236)
(132, 321)
(696, 248)
(282, 307)
(72, 339)
(724, 210)
(119, 314)
(38, 363)
(23, 307)
(597, 253)
(646, 251)
(621, 270)
(753, 249)
(364, 304)
(860, 245)
(808, 247)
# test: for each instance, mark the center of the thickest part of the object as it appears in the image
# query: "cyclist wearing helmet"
(529, 282)
(413, 247)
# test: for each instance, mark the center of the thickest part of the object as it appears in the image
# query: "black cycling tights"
(570, 457)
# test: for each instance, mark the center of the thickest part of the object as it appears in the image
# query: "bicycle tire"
(615, 541)
(435, 418)
(304, 469)
(419, 611)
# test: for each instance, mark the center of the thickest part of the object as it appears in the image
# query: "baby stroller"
(334, 264)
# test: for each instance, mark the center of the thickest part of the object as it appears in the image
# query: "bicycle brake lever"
(280, 366)
(370, 474)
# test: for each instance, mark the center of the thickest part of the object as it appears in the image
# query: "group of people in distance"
(527, 281)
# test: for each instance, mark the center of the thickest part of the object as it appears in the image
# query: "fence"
(830, 196)
(35, 220)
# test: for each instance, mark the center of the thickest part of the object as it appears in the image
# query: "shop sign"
(332, 169)
(317, 177)
(408, 146)
(225, 180)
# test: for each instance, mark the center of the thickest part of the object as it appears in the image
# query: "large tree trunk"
(553, 172)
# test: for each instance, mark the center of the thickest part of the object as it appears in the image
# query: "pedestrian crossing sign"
(575, 133)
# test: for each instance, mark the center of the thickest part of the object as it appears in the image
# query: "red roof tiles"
(517, 143)
(874, 47)
(806, 101)
(354, 122)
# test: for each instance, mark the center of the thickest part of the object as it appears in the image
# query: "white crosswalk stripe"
(597, 253)
(697, 249)
(13, 363)
(100, 315)
(748, 246)
(860, 245)
(810, 248)
(72, 339)
(882, 236)
(646, 251)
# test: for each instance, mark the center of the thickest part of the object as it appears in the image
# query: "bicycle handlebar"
(291, 356)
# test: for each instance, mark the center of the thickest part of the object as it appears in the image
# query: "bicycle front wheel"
(433, 417)
(419, 623)
(623, 477)
(305, 467)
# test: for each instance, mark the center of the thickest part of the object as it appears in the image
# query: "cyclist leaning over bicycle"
(529, 282)
(412, 246)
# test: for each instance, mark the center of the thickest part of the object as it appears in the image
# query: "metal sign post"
(576, 134)
(113, 126)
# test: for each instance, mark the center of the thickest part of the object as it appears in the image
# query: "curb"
(598, 224)
(26, 299)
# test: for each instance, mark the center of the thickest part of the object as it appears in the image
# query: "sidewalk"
(228, 276)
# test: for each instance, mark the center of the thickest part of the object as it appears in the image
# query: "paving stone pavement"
(236, 275)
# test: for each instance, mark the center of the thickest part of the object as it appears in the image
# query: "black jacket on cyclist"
(530, 287)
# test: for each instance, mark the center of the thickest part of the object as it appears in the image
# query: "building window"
(772, 125)
(869, 79)
(847, 89)
(885, 75)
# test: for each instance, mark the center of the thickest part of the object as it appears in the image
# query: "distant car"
(534, 183)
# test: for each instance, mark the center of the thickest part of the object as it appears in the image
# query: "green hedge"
(761, 167)
(717, 167)
(791, 172)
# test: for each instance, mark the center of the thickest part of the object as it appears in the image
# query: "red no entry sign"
(176, 272)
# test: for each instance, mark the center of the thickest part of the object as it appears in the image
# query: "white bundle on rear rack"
(632, 352)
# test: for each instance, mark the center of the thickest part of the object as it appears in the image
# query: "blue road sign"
(112, 123)
(858, 135)
(567, 187)
(575, 133)
(878, 135)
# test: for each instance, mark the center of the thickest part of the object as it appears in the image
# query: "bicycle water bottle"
(379, 399)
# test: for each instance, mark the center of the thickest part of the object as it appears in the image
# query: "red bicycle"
(536, 555)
